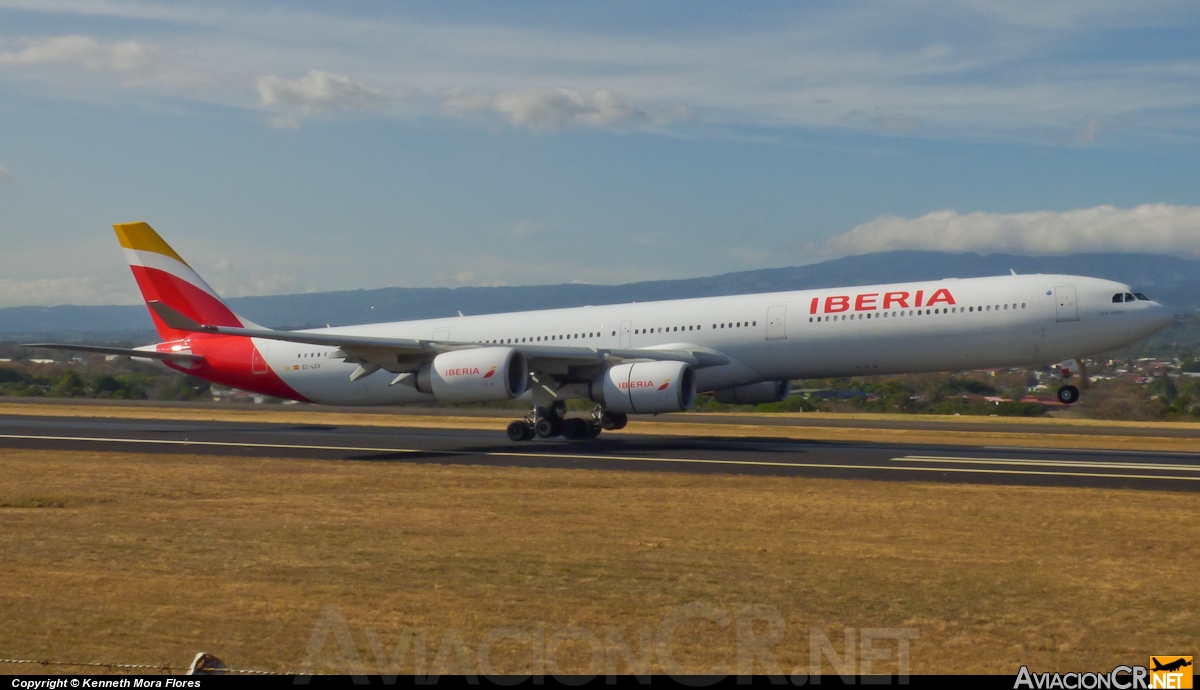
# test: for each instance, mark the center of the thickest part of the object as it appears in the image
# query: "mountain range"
(1171, 280)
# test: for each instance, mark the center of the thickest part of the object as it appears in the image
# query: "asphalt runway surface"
(931, 423)
(1154, 470)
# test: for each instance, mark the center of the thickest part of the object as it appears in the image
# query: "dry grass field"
(151, 558)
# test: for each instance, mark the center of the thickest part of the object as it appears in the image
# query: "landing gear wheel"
(520, 430)
(612, 421)
(547, 427)
(1068, 395)
(594, 430)
(575, 428)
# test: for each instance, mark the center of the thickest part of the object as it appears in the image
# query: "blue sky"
(315, 146)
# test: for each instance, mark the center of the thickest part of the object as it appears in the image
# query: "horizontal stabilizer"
(182, 357)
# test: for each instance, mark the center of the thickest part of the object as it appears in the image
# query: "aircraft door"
(777, 322)
(626, 329)
(258, 356)
(442, 334)
(1068, 308)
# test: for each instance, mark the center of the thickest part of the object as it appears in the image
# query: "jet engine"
(646, 388)
(754, 393)
(478, 375)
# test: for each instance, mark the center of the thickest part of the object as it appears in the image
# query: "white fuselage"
(976, 323)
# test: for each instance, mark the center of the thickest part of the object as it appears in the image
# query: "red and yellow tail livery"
(163, 276)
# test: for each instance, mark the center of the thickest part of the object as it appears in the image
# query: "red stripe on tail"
(184, 298)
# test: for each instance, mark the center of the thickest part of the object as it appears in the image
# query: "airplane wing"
(179, 357)
(401, 355)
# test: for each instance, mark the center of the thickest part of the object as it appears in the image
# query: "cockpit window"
(1142, 297)
(1118, 298)
(1129, 297)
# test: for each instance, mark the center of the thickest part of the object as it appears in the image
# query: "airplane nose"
(1161, 317)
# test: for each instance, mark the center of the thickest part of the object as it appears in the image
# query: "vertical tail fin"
(163, 275)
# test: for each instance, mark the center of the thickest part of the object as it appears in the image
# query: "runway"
(615, 451)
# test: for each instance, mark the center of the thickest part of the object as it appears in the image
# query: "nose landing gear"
(1068, 394)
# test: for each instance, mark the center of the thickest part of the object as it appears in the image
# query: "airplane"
(638, 358)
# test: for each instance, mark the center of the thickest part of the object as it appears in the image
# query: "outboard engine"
(646, 388)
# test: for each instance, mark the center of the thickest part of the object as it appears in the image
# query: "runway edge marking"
(1035, 462)
(563, 456)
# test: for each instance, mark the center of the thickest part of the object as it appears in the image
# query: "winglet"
(176, 320)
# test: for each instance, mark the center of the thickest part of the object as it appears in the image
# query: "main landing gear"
(551, 421)
(1068, 394)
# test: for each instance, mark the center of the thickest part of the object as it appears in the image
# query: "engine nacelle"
(483, 374)
(754, 393)
(646, 388)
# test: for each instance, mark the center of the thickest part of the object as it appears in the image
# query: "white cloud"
(6, 176)
(79, 51)
(319, 90)
(550, 108)
(977, 70)
(1149, 228)
(131, 63)
(284, 122)
(46, 292)
(1086, 133)
(525, 228)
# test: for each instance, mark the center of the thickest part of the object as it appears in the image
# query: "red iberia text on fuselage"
(462, 371)
(874, 301)
(635, 384)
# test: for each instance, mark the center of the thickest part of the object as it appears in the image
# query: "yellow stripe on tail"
(141, 237)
